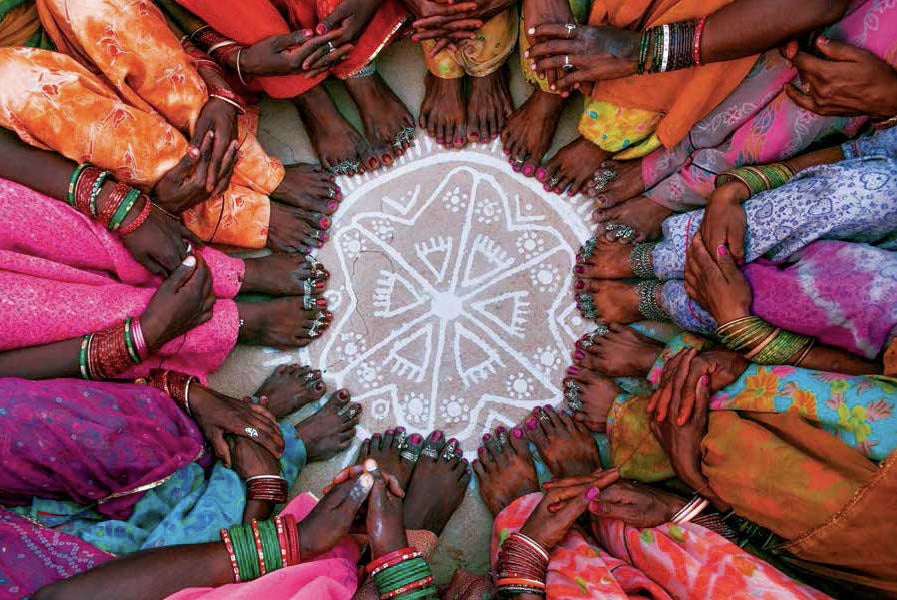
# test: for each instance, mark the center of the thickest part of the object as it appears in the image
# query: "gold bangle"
(239, 108)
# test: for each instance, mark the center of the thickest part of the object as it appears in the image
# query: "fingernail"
(572, 370)
(321, 29)
(332, 205)
(193, 151)
(705, 380)
(579, 284)
(579, 269)
(537, 410)
(415, 438)
(531, 424)
(526, 55)
(307, 32)
(592, 494)
(531, 31)
(721, 250)
(437, 435)
(517, 432)
(189, 261)
(578, 355)
(822, 40)
(487, 437)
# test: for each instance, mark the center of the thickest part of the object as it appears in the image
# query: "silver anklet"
(647, 301)
(641, 260)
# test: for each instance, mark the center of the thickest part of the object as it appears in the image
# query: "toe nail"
(500, 429)
(437, 435)
(321, 302)
(572, 370)
(548, 407)
(517, 432)
(344, 394)
(324, 223)
(372, 162)
(541, 174)
(400, 429)
(578, 355)
(579, 269)
(546, 187)
(531, 424)
(332, 205)
(389, 431)
(537, 410)
(416, 438)
(528, 170)
(481, 450)
(579, 284)
(487, 437)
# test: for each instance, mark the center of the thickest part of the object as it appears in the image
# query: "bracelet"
(399, 555)
(239, 71)
(140, 219)
(762, 343)
(691, 510)
(73, 180)
(106, 353)
(113, 202)
(267, 488)
(759, 178)
(124, 209)
(231, 555)
(671, 46)
(886, 124)
(696, 44)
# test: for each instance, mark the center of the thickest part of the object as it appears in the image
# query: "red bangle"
(401, 554)
(420, 583)
(229, 546)
(292, 533)
(227, 94)
(696, 48)
(140, 219)
(258, 545)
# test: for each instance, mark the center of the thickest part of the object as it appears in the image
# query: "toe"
(433, 446)
(398, 438)
(534, 431)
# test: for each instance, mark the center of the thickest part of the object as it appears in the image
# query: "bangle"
(197, 30)
(123, 209)
(267, 488)
(95, 193)
(140, 219)
(886, 124)
(696, 44)
(82, 357)
(239, 70)
(239, 108)
(73, 180)
(399, 555)
(219, 45)
(231, 555)
(691, 510)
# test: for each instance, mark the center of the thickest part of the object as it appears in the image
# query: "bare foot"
(283, 275)
(296, 230)
(488, 106)
(505, 470)
(387, 451)
(604, 260)
(290, 387)
(530, 129)
(335, 141)
(641, 213)
(597, 394)
(566, 447)
(384, 117)
(281, 323)
(443, 113)
(621, 352)
(437, 485)
(626, 184)
(609, 300)
(310, 188)
(330, 430)
(572, 167)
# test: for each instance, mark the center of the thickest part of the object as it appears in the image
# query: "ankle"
(252, 321)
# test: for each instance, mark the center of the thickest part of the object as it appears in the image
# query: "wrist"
(384, 544)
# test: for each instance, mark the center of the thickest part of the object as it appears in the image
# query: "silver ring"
(601, 330)
(586, 306)
(316, 234)
(553, 182)
(252, 432)
(406, 134)
(431, 452)
(332, 193)
(308, 302)
(544, 417)
(621, 231)
(571, 27)
(351, 414)
(344, 167)
(330, 47)
(449, 451)
(571, 395)
(502, 438)
(402, 443)
(310, 376)
(603, 177)
(408, 455)
(516, 162)
(567, 66)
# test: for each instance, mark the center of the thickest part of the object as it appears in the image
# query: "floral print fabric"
(477, 57)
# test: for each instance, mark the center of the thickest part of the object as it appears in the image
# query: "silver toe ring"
(587, 250)
(544, 417)
(553, 182)
(502, 438)
(406, 134)
(601, 330)
(430, 452)
(408, 455)
(571, 395)
(345, 167)
(403, 441)
(620, 231)
(449, 451)
(586, 306)
(603, 177)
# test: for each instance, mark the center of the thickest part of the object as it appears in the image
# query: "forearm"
(836, 360)
(42, 170)
(747, 27)
(150, 574)
(825, 156)
(258, 510)
(60, 359)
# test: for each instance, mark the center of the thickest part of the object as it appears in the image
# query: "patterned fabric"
(852, 200)
(758, 123)
(669, 561)
(34, 556)
(249, 22)
(20, 25)
(478, 57)
(90, 442)
(627, 132)
(147, 90)
(61, 270)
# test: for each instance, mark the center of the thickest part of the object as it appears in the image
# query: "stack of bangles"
(267, 488)
(219, 47)
(757, 179)
(174, 384)
(522, 564)
(84, 189)
(107, 353)
(404, 574)
(764, 344)
(262, 547)
(671, 47)
(691, 510)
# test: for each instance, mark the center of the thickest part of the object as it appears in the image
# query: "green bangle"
(270, 545)
(644, 44)
(123, 209)
(82, 357)
(129, 342)
(427, 592)
(244, 550)
(95, 193)
(73, 181)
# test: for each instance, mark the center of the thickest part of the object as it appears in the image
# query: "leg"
(437, 486)
(443, 112)
(387, 122)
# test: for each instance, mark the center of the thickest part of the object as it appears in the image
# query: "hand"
(284, 54)
(848, 81)
(718, 286)
(182, 302)
(353, 471)
(725, 221)
(638, 505)
(331, 518)
(449, 22)
(349, 17)
(251, 459)
(220, 119)
(709, 371)
(385, 518)
(159, 244)
(595, 53)
(217, 415)
(184, 185)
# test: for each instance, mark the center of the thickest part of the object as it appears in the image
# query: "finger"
(358, 492)
(429, 34)
(216, 162)
(439, 46)
(727, 265)
(682, 370)
(188, 236)
(697, 382)
(735, 240)
(298, 54)
(228, 163)
(552, 48)
(661, 396)
(566, 511)
(188, 161)
(576, 481)
(572, 79)
(330, 58)
(183, 273)
(263, 413)
(550, 30)
(841, 51)
(331, 21)
(220, 447)
(201, 170)
(807, 64)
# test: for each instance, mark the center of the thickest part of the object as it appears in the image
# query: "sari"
(125, 77)
(20, 25)
(250, 22)
(68, 273)
(668, 561)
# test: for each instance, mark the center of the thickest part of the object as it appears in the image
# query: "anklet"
(647, 303)
(641, 260)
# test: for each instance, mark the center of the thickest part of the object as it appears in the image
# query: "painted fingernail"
(721, 250)
(531, 424)
(579, 284)
(307, 32)
(572, 370)
(579, 269)
(528, 169)
(437, 435)
(193, 151)
(487, 437)
(321, 29)
(705, 380)
(592, 494)
(415, 438)
(388, 432)
(578, 355)
(517, 432)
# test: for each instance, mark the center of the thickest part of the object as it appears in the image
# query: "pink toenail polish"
(476, 461)
(572, 370)
(324, 223)
(481, 450)
(459, 141)
(571, 193)
(517, 432)
(400, 429)
(325, 236)
(528, 170)
(537, 410)
(578, 355)
(541, 174)
(592, 494)
(578, 344)
(389, 432)
(531, 424)
(415, 438)
(332, 205)
(487, 437)
(506, 151)
(579, 284)
(579, 269)
(500, 429)
(546, 187)
(548, 407)
(452, 441)
(437, 435)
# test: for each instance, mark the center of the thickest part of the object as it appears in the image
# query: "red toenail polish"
(578, 257)
(459, 140)
(506, 151)
(531, 424)
(319, 244)
(516, 168)
(415, 439)
(350, 172)
(571, 193)
(528, 170)
(328, 315)
(579, 269)
(541, 174)
(324, 223)
(388, 432)
(437, 435)
(546, 187)
(320, 302)
(572, 370)
(592, 494)
(319, 285)
(578, 355)
(487, 437)
(324, 237)
(481, 450)
(321, 29)
(453, 441)
(579, 284)
(343, 394)
(500, 429)
(537, 410)
(517, 432)
(400, 429)
(332, 205)
(475, 461)
(399, 152)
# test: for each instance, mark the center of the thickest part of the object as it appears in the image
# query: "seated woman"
(767, 119)
(631, 114)
(353, 33)
(642, 542)
(91, 104)
(843, 193)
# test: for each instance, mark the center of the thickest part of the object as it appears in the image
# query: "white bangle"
(266, 477)
(691, 510)
(220, 45)
(187, 396)
(239, 71)
(239, 108)
(666, 49)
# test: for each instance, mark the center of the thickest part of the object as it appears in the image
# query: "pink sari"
(63, 276)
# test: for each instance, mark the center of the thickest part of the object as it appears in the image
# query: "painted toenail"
(452, 441)
(325, 236)
(592, 494)
(324, 223)
(579, 284)
(321, 302)
(572, 370)
(548, 407)
(517, 432)
(459, 140)
(500, 429)
(486, 437)
(481, 450)
(389, 432)
(506, 151)
(437, 435)
(546, 187)
(332, 205)
(531, 424)
(578, 355)
(528, 169)
(537, 410)
(344, 394)
(579, 269)
(400, 429)
(415, 439)
(372, 162)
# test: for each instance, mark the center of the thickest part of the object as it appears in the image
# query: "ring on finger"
(570, 27)
(567, 66)
(252, 432)
(330, 47)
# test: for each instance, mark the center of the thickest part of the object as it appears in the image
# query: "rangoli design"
(450, 279)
